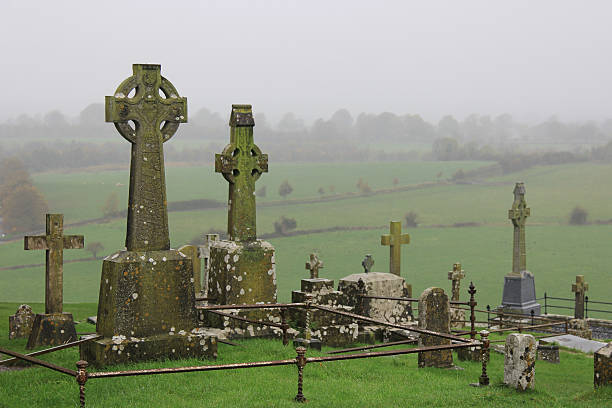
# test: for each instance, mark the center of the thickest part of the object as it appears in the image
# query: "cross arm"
(385, 239)
(74, 241)
(36, 242)
(405, 239)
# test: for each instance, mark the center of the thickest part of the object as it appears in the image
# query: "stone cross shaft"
(395, 240)
(518, 214)
(241, 164)
(579, 288)
(455, 277)
(314, 265)
(54, 242)
(156, 111)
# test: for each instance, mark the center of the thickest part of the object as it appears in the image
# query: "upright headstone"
(603, 366)
(313, 265)
(519, 363)
(434, 314)
(579, 288)
(146, 308)
(20, 324)
(455, 276)
(53, 327)
(394, 240)
(519, 286)
(204, 254)
(192, 252)
(242, 268)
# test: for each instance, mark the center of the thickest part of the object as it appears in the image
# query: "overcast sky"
(529, 58)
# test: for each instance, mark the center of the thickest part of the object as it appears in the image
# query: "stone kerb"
(519, 363)
(434, 314)
(603, 366)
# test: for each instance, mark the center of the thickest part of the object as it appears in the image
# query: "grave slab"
(574, 342)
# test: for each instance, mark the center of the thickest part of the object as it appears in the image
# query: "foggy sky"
(531, 59)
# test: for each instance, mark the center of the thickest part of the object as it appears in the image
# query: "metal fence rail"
(546, 298)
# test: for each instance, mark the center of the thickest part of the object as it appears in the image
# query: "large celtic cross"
(156, 110)
(518, 214)
(241, 164)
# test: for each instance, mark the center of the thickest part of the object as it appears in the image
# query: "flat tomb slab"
(575, 342)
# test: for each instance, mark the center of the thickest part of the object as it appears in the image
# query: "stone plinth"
(580, 328)
(519, 364)
(20, 324)
(519, 294)
(549, 353)
(603, 366)
(377, 284)
(52, 329)
(146, 299)
(434, 314)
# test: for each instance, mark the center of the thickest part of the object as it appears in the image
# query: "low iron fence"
(587, 302)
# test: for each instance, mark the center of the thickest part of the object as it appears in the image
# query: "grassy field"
(376, 382)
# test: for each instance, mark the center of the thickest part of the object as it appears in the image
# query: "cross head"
(455, 276)
(367, 263)
(519, 211)
(580, 286)
(518, 214)
(54, 242)
(155, 110)
(314, 265)
(241, 163)
(395, 239)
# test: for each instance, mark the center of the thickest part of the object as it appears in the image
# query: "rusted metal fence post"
(488, 316)
(307, 334)
(283, 315)
(300, 361)
(81, 379)
(484, 378)
(532, 316)
(501, 319)
(472, 292)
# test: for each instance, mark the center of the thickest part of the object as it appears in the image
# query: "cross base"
(519, 295)
(314, 344)
(52, 329)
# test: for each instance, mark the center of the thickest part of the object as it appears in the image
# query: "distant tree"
(458, 175)
(343, 121)
(290, 123)
(445, 149)
(92, 115)
(395, 181)
(55, 119)
(363, 186)
(285, 189)
(261, 192)
(13, 174)
(24, 210)
(321, 191)
(111, 205)
(94, 248)
(331, 189)
(439, 175)
(411, 219)
(578, 216)
(284, 225)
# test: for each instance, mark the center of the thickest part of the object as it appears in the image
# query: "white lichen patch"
(134, 296)
(236, 257)
(118, 339)
(228, 288)
(241, 291)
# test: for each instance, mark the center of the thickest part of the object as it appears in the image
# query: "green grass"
(375, 382)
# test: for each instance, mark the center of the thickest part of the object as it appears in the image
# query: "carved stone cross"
(518, 214)
(455, 276)
(54, 242)
(579, 288)
(395, 240)
(156, 119)
(314, 265)
(241, 164)
(367, 263)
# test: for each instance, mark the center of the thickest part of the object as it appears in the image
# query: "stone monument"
(394, 240)
(602, 365)
(519, 362)
(192, 252)
(146, 308)
(434, 315)
(519, 294)
(457, 314)
(242, 268)
(579, 288)
(204, 253)
(53, 327)
(20, 324)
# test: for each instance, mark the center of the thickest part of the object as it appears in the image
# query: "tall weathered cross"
(455, 277)
(518, 214)
(314, 265)
(54, 242)
(156, 119)
(241, 164)
(395, 240)
(579, 288)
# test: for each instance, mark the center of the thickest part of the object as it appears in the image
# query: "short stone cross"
(394, 240)
(518, 214)
(156, 120)
(241, 164)
(455, 276)
(367, 263)
(314, 265)
(579, 288)
(54, 242)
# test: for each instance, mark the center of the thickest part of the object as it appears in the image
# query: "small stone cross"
(579, 288)
(455, 276)
(54, 242)
(394, 240)
(156, 119)
(314, 265)
(367, 263)
(518, 214)
(241, 164)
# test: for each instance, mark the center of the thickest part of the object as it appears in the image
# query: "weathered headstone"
(20, 324)
(53, 327)
(367, 263)
(146, 308)
(205, 256)
(519, 286)
(519, 363)
(394, 240)
(242, 268)
(457, 314)
(192, 252)
(603, 366)
(579, 288)
(313, 265)
(434, 314)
